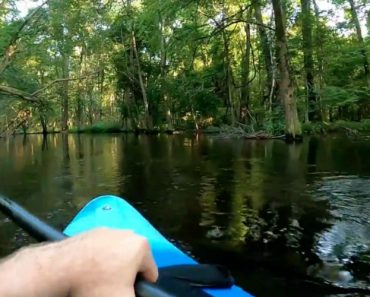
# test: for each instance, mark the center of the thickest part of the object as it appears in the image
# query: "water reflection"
(276, 214)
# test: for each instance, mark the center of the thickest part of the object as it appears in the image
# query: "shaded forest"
(282, 67)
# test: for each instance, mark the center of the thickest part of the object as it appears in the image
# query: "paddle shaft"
(41, 231)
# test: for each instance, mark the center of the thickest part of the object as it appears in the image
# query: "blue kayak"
(115, 212)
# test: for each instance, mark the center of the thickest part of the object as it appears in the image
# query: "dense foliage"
(170, 64)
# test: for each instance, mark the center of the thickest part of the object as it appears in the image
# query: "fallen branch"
(5, 90)
(262, 135)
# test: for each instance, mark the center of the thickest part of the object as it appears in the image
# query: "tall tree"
(286, 91)
(313, 114)
(360, 39)
(245, 92)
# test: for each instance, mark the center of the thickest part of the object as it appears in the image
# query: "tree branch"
(36, 93)
(235, 21)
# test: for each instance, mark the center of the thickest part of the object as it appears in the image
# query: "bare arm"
(99, 263)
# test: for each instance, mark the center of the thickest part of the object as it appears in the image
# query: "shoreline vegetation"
(320, 128)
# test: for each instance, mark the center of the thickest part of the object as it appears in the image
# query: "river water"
(284, 218)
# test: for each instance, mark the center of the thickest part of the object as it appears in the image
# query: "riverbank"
(101, 128)
(319, 128)
(222, 131)
(349, 128)
(307, 129)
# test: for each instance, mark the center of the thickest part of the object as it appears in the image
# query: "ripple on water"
(349, 198)
(349, 235)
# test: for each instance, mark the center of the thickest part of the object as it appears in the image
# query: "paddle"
(41, 231)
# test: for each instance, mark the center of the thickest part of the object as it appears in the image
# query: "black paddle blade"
(179, 287)
(200, 275)
(35, 227)
(145, 289)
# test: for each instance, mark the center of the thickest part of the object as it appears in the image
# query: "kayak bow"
(115, 212)
(179, 274)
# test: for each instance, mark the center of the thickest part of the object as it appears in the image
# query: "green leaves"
(337, 96)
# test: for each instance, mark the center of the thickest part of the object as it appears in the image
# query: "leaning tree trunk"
(148, 119)
(313, 114)
(360, 41)
(286, 94)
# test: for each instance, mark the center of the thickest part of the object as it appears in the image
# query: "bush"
(212, 130)
(313, 128)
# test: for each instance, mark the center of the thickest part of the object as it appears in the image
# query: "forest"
(280, 67)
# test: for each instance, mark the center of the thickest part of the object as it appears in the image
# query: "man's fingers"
(111, 292)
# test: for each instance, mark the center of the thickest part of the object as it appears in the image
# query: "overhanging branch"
(36, 93)
(33, 97)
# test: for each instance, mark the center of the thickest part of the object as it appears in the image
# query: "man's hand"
(99, 263)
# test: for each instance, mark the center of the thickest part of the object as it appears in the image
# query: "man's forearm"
(101, 262)
(36, 271)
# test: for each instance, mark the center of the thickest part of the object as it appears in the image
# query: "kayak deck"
(114, 212)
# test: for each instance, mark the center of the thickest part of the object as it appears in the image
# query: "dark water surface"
(276, 214)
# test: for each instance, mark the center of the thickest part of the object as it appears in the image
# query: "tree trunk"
(91, 105)
(286, 94)
(308, 60)
(245, 91)
(101, 78)
(265, 46)
(79, 110)
(43, 122)
(64, 93)
(319, 41)
(360, 41)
